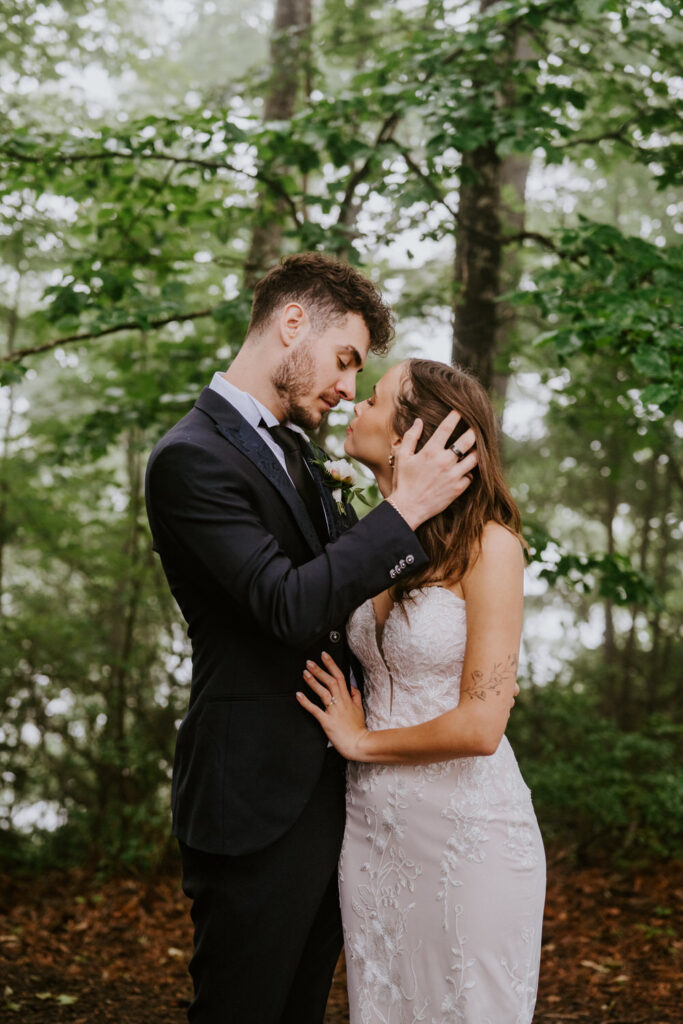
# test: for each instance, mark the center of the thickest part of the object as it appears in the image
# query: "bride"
(442, 871)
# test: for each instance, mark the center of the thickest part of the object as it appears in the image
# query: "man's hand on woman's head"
(426, 482)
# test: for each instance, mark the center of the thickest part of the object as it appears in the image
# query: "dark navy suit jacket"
(260, 594)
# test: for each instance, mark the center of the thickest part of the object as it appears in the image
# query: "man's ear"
(292, 322)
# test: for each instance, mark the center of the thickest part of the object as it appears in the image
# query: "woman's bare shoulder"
(499, 542)
(500, 559)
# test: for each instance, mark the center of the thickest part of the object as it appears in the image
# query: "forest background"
(510, 174)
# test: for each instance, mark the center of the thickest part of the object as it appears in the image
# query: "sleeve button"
(410, 559)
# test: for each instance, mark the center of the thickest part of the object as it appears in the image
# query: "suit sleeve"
(195, 505)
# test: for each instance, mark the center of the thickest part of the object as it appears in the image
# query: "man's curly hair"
(330, 289)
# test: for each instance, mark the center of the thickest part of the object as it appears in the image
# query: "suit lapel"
(235, 429)
(331, 513)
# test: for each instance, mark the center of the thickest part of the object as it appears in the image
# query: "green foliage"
(620, 298)
(610, 576)
(91, 675)
(599, 791)
(123, 287)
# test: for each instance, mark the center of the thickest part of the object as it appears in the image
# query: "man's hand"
(427, 482)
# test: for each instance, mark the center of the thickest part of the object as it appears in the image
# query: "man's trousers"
(267, 926)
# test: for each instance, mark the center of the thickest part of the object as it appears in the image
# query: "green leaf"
(12, 373)
(652, 362)
(661, 395)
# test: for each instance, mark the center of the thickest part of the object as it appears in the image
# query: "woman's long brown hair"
(452, 539)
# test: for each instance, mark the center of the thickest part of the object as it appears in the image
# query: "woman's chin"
(351, 449)
(353, 454)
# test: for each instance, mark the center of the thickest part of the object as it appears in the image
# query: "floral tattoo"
(501, 673)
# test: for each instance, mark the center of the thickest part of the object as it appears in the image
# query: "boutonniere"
(340, 476)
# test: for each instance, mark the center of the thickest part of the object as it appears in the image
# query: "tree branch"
(618, 135)
(521, 236)
(383, 135)
(70, 339)
(424, 177)
(530, 236)
(75, 158)
(186, 161)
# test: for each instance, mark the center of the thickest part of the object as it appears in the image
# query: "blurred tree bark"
(491, 205)
(12, 314)
(290, 69)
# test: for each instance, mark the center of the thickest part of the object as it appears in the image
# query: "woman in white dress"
(442, 872)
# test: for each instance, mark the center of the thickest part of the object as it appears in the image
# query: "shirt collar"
(248, 406)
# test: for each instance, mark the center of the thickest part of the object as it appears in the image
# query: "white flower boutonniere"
(340, 476)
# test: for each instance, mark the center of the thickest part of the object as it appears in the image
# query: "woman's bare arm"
(493, 590)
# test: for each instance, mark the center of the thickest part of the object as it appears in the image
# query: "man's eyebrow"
(355, 356)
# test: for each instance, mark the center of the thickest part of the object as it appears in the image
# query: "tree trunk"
(609, 649)
(290, 65)
(491, 204)
(631, 668)
(514, 173)
(117, 789)
(659, 659)
(477, 264)
(6, 439)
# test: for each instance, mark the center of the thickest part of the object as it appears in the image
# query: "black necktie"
(292, 444)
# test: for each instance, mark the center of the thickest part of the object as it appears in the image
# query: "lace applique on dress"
(442, 873)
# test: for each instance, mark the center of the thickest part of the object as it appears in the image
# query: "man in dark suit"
(266, 568)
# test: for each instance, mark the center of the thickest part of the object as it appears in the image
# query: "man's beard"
(294, 380)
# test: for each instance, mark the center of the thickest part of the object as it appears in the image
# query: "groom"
(266, 568)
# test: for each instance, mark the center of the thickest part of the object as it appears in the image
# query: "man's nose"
(346, 386)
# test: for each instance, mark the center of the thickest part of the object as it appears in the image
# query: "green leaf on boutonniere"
(340, 476)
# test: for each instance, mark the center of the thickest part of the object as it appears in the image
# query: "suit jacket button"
(335, 637)
(410, 559)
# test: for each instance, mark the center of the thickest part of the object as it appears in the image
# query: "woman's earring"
(392, 460)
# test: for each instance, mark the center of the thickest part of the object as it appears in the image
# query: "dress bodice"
(413, 668)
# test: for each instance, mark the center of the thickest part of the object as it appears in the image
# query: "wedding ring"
(456, 451)
(331, 702)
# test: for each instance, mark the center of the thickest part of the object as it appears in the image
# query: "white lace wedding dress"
(442, 872)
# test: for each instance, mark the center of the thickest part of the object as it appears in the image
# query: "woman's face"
(370, 437)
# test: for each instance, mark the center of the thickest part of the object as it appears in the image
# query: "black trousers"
(267, 925)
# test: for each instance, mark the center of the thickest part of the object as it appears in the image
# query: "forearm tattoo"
(480, 687)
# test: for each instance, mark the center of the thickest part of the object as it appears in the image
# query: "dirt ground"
(80, 951)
